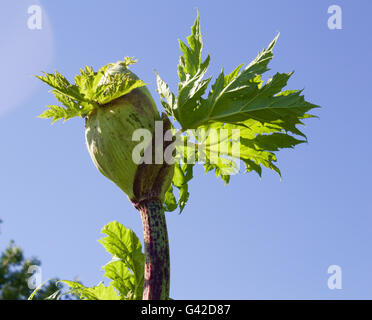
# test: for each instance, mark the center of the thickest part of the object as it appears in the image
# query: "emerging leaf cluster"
(89, 90)
(266, 115)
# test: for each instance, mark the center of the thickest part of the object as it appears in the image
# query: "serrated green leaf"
(61, 85)
(115, 86)
(190, 95)
(126, 269)
(223, 168)
(191, 71)
(57, 113)
(90, 89)
(123, 244)
(123, 280)
(189, 63)
(273, 142)
(99, 292)
(170, 202)
(183, 173)
(265, 113)
(164, 92)
(241, 96)
(236, 97)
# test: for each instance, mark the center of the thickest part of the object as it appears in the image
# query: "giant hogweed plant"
(114, 103)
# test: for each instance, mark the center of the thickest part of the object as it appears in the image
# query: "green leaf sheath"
(157, 266)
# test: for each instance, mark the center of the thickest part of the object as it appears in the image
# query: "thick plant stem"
(157, 267)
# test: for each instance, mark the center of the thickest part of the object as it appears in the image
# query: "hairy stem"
(156, 284)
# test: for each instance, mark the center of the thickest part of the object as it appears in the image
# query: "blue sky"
(255, 239)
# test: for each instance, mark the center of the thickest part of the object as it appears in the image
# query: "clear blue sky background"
(256, 239)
